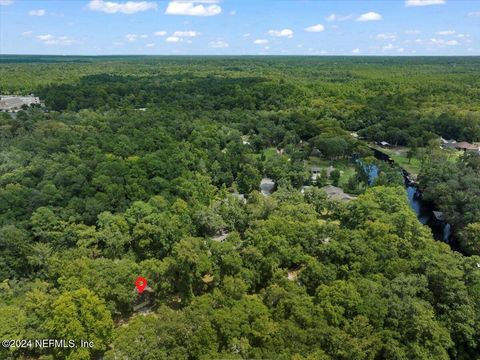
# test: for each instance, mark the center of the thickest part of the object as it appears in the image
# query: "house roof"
(266, 186)
(220, 236)
(466, 145)
(336, 193)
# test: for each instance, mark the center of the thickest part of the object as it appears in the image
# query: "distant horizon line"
(242, 55)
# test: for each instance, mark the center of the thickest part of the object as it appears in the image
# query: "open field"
(414, 165)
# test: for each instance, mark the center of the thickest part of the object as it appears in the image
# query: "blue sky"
(238, 27)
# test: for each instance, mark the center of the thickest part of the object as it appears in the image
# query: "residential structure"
(335, 193)
(267, 186)
(448, 144)
(466, 146)
(384, 144)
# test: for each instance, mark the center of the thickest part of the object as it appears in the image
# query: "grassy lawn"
(453, 155)
(316, 161)
(413, 165)
(270, 153)
(347, 169)
(399, 155)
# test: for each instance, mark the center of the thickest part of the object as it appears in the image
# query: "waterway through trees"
(425, 211)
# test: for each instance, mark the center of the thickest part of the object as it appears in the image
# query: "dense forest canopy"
(151, 166)
(399, 100)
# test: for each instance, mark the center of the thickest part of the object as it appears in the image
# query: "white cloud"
(49, 39)
(315, 28)
(185, 33)
(173, 39)
(160, 33)
(335, 17)
(38, 12)
(198, 1)
(6, 2)
(27, 33)
(246, 35)
(413, 3)
(442, 42)
(356, 51)
(193, 8)
(144, 36)
(220, 44)
(45, 37)
(131, 37)
(370, 16)
(474, 14)
(233, 13)
(281, 33)
(260, 42)
(446, 32)
(331, 17)
(150, 45)
(391, 37)
(391, 47)
(129, 7)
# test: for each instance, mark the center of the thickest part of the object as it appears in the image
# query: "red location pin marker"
(140, 283)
